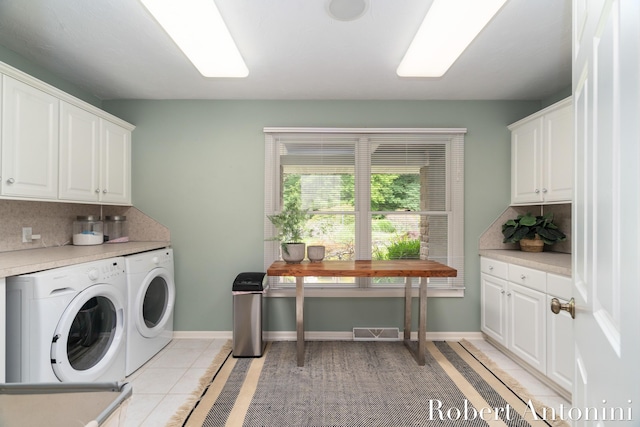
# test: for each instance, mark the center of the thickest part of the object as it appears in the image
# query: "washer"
(67, 324)
(151, 295)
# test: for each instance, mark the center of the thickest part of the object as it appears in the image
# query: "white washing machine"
(151, 296)
(67, 324)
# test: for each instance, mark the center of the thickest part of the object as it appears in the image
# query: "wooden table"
(392, 268)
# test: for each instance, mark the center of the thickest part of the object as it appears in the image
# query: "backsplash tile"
(53, 222)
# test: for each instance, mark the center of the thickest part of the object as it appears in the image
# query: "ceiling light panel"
(448, 28)
(198, 29)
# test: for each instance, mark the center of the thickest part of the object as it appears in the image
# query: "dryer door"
(89, 336)
(154, 302)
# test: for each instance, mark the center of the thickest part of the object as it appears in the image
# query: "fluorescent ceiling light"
(196, 26)
(449, 27)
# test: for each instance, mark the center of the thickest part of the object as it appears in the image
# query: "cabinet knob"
(104, 191)
(509, 294)
(570, 307)
(522, 276)
(490, 267)
(544, 190)
(536, 191)
(11, 181)
(97, 190)
(502, 291)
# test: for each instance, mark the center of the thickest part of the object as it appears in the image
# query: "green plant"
(527, 226)
(289, 223)
(404, 249)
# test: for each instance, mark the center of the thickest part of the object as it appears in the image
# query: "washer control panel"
(106, 270)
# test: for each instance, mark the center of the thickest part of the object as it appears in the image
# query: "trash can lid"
(251, 281)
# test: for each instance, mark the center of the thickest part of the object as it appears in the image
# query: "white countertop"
(30, 260)
(550, 262)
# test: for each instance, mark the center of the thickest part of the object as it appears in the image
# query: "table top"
(363, 268)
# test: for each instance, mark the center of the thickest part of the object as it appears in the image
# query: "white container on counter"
(87, 230)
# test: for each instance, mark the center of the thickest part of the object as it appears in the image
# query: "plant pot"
(293, 253)
(532, 245)
(315, 253)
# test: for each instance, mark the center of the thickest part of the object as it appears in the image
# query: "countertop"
(14, 263)
(550, 262)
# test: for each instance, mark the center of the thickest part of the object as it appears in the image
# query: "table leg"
(422, 328)
(407, 309)
(300, 319)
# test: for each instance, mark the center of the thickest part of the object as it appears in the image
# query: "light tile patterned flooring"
(162, 385)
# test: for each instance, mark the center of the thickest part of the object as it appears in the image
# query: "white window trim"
(456, 225)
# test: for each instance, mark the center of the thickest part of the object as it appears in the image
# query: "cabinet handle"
(11, 181)
(104, 191)
(522, 276)
(508, 294)
(502, 291)
(491, 268)
(570, 307)
(544, 190)
(97, 190)
(537, 191)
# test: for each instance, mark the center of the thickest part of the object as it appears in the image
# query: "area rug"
(356, 383)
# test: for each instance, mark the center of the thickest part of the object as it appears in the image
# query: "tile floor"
(166, 381)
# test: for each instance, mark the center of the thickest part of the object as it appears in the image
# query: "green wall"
(17, 61)
(198, 168)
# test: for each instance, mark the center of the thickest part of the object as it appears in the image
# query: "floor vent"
(376, 334)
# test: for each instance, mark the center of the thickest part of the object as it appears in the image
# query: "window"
(371, 194)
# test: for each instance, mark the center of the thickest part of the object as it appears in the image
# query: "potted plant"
(532, 232)
(290, 225)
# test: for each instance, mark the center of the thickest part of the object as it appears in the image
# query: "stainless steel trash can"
(248, 313)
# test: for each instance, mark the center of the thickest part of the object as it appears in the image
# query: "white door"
(606, 266)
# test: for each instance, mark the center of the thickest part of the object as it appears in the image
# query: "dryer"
(151, 296)
(67, 324)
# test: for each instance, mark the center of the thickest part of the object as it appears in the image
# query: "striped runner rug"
(356, 383)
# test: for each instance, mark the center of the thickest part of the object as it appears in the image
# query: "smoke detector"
(346, 10)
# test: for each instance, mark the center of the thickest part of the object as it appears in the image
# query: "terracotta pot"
(532, 245)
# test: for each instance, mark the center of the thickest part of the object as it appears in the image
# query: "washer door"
(154, 302)
(89, 335)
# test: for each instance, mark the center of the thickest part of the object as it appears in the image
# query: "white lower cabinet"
(527, 325)
(515, 314)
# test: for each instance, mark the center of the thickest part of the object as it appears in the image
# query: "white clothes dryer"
(67, 324)
(151, 296)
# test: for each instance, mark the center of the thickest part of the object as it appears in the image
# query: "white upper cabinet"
(115, 163)
(542, 156)
(95, 158)
(54, 146)
(79, 154)
(29, 141)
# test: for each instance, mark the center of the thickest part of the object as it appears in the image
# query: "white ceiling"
(294, 50)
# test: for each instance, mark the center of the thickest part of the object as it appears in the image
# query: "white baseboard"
(322, 335)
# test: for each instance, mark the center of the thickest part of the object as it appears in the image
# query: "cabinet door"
(493, 317)
(526, 162)
(79, 154)
(558, 155)
(527, 326)
(115, 167)
(560, 353)
(29, 141)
